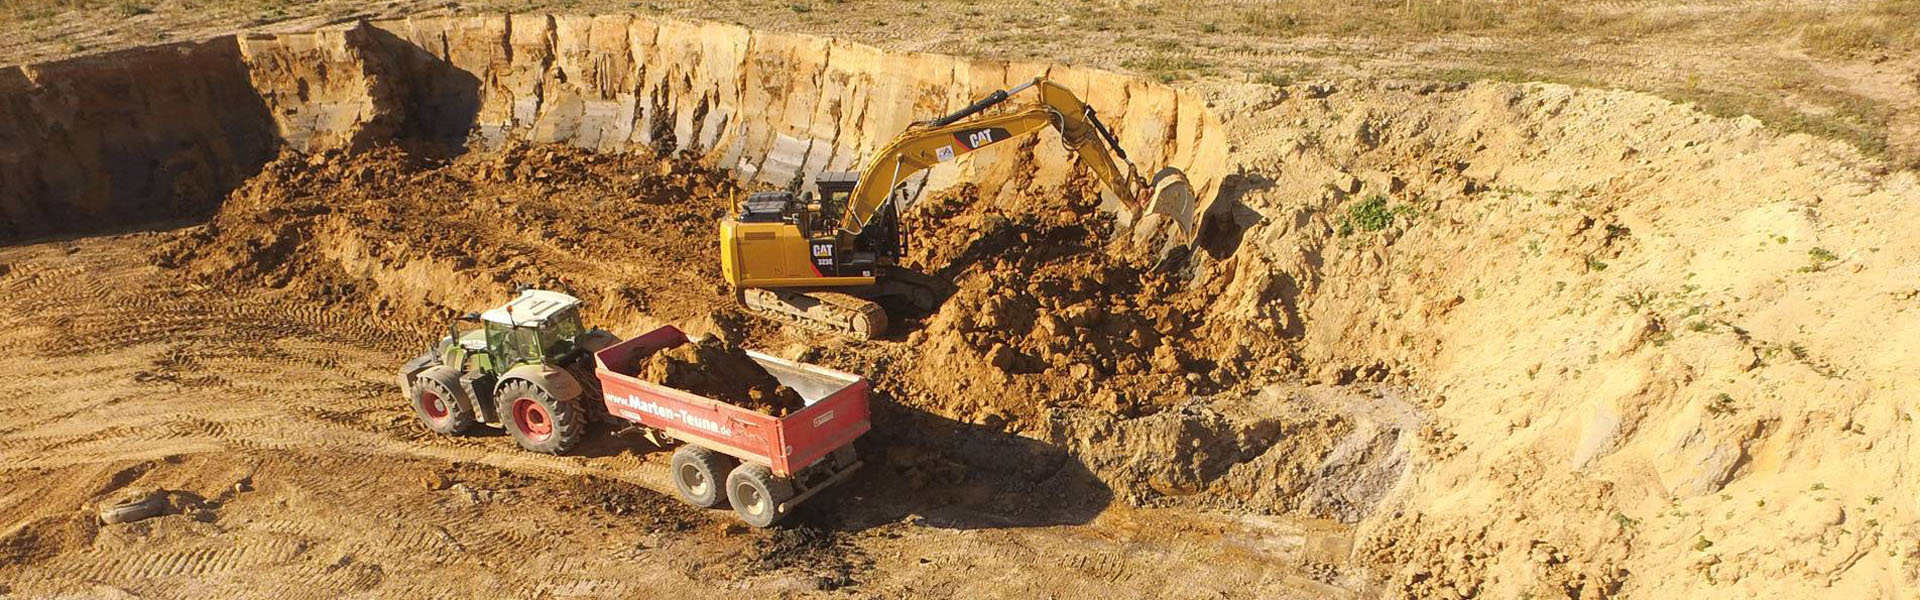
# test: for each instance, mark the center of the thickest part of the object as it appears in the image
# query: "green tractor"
(526, 367)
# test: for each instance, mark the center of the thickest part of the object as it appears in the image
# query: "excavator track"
(830, 312)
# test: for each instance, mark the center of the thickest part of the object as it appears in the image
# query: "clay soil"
(247, 361)
(714, 368)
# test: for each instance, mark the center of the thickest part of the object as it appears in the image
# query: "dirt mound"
(1052, 310)
(717, 369)
(414, 237)
(1055, 305)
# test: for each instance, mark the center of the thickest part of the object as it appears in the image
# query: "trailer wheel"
(537, 421)
(756, 494)
(700, 475)
(437, 408)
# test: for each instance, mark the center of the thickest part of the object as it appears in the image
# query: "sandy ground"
(281, 415)
(219, 362)
(1448, 339)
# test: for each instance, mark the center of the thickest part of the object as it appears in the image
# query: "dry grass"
(1886, 25)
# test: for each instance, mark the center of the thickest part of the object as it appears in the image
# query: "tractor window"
(511, 345)
(560, 331)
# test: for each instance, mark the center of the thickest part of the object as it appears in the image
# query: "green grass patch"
(1373, 214)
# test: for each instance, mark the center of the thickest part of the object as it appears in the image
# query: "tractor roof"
(531, 308)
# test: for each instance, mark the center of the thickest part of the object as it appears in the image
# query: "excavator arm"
(789, 264)
(927, 143)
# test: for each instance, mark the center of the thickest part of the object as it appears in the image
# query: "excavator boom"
(927, 143)
(820, 262)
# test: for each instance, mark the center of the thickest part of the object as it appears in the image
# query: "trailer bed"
(836, 410)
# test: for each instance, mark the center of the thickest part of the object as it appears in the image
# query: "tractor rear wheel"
(438, 409)
(700, 475)
(538, 421)
(756, 494)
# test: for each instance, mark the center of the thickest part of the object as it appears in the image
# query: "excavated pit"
(1528, 339)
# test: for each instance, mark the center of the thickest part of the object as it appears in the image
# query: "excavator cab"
(816, 216)
(836, 190)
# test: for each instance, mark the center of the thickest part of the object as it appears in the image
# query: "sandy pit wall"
(770, 106)
(127, 137)
(146, 134)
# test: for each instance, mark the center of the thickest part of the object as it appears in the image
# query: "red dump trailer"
(762, 465)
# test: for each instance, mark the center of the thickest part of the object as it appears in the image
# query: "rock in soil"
(133, 506)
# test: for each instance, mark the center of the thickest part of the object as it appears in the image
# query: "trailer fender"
(596, 339)
(557, 382)
(450, 378)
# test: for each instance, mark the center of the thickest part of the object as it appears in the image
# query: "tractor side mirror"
(471, 317)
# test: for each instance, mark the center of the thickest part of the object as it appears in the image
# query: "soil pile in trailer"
(717, 369)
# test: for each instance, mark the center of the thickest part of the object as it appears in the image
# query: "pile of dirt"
(1050, 302)
(718, 369)
(414, 237)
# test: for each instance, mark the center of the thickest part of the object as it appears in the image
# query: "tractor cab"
(538, 327)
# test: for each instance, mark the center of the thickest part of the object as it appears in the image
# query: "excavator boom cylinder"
(996, 97)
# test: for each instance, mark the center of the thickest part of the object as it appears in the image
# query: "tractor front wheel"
(539, 422)
(437, 408)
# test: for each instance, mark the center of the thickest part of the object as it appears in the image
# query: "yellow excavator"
(822, 261)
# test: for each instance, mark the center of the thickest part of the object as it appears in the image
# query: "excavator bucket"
(1173, 196)
(1167, 216)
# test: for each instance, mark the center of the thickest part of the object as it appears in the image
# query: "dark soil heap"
(716, 369)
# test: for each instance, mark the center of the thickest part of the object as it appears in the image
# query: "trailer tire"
(438, 407)
(701, 475)
(538, 421)
(756, 494)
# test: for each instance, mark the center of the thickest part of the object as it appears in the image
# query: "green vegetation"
(1372, 214)
(1851, 118)
(1625, 521)
(1638, 300)
(1819, 259)
(1721, 404)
